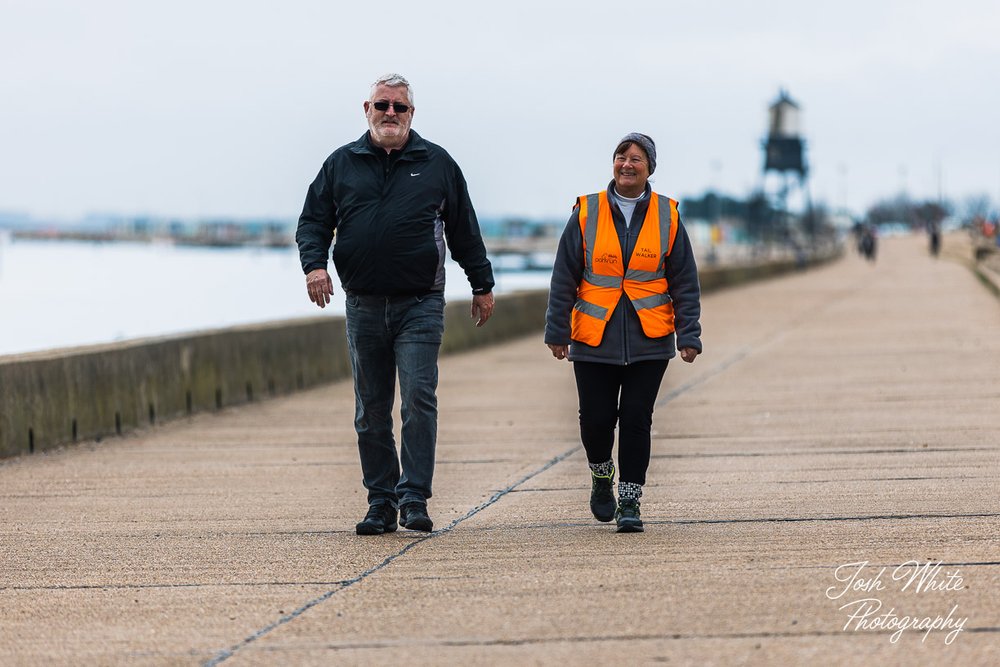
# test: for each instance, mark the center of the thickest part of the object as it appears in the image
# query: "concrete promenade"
(845, 415)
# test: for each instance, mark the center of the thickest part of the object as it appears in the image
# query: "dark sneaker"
(602, 496)
(414, 516)
(381, 518)
(627, 517)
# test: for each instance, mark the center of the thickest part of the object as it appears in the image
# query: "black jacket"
(392, 213)
(624, 341)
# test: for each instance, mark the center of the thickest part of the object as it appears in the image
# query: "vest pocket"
(586, 328)
(657, 322)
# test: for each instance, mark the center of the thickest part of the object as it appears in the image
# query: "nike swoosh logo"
(416, 174)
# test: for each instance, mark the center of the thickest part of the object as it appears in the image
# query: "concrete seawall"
(49, 399)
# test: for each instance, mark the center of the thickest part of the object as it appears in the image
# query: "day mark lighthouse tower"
(785, 169)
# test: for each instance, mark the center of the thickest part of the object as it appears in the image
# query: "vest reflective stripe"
(651, 301)
(601, 281)
(605, 276)
(591, 309)
(589, 203)
(633, 274)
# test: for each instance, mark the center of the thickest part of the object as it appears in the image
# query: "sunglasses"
(396, 106)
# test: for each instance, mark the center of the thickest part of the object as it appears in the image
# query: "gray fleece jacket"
(624, 341)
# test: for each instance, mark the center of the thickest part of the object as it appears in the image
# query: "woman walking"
(624, 296)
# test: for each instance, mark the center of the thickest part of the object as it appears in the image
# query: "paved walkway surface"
(846, 417)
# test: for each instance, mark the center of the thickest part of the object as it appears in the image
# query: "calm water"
(59, 294)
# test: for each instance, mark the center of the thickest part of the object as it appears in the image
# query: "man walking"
(393, 198)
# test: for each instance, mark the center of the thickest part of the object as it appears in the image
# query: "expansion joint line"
(225, 654)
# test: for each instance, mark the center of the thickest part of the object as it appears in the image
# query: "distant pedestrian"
(934, 238)
(624, 294)
(392, 198)
(857, 231)
(869, 242)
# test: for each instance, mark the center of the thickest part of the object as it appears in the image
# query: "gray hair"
(392, 80)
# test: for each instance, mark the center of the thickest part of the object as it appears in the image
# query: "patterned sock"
(629, 491)
(606, 469)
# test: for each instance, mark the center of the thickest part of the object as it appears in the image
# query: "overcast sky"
(226, 108)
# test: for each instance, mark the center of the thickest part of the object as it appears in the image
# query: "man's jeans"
(386, 334)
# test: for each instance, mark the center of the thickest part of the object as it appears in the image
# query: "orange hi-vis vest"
(605, 276)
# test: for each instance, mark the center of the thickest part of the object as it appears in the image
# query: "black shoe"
(627, 516)
(381, 518)
(602, 496)
(414, 516)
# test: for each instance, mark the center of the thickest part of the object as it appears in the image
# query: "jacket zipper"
(626, 254)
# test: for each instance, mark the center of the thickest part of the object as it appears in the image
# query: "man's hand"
(482, 308)
(320, 287)
(559, 351)
(688, 354)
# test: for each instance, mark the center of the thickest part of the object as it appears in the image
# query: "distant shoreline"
(185, 240)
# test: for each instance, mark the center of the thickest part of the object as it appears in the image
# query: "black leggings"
(622, 395)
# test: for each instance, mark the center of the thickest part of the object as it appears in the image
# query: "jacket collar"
(645, 195)
(640, 207)
(415, 148)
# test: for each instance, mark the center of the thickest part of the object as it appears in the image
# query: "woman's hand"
(688, 354)
(559, 351)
